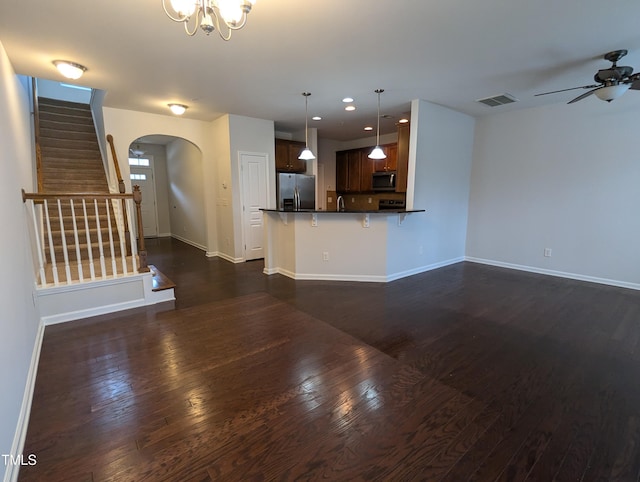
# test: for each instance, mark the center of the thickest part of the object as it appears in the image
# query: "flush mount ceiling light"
(178, 109)
(70, 70)
(404, 120)
(350, 108)
(316, 118)
(347, 100)
(368, 128)
(209, 15)
(377, 152)
(306, 154)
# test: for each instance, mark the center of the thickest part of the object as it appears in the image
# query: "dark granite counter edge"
(313, 211)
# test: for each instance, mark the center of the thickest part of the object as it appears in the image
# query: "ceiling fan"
(610, 83)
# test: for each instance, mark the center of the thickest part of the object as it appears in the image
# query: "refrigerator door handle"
(296, 199)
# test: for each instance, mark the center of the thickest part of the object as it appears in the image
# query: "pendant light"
(306, 154)
(377, 152)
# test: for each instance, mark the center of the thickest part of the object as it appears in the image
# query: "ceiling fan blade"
(585, 95)
(572, 88)
(635, 85)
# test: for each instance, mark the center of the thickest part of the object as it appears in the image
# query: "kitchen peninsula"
(341, 245)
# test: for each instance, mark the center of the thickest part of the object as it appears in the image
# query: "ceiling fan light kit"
(610, 83)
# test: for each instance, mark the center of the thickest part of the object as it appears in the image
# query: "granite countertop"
(352, 211)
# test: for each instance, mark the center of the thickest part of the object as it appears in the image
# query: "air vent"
(497, 100)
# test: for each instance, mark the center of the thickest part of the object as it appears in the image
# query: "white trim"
(550, 272)
(243, 214)
(54, 290)
(12, 471)
(226, 257)
(188, 241)
(361, 278)
(89, 312)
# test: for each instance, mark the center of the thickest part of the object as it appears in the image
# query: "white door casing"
(254, 196)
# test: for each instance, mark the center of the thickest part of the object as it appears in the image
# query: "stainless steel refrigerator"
(296, 191)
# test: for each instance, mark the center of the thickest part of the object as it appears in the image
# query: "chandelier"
(209, 15)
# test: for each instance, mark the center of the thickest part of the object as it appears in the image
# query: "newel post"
(142, 251)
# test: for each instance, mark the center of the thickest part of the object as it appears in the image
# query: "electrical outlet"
(370, 200)
(547, 252)
(325, 256)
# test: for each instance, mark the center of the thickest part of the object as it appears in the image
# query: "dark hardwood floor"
(467, 372)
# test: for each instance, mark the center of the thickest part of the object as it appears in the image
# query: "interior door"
(254, 197)
(143, 177)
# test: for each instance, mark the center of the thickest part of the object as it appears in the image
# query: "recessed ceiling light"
(70, 70)
(178, 109)
(316, 118)
(368, 128)
(350, 107)
(403, 121)
(346, 100)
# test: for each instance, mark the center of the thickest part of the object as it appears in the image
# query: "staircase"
(71, 163)
(71, 159)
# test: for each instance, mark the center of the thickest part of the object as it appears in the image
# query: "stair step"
(77, 118)
(159, 281)
(58, 153)
(61, 126)
(52, 133)
(67, 143)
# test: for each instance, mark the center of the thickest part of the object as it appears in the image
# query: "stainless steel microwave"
(384, 181)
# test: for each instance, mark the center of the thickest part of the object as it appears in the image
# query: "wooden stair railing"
(121, 186)
(80, 243)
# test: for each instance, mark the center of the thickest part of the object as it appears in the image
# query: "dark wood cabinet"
(349, 171)
(287, 153)
(388, 164)
(402, 167)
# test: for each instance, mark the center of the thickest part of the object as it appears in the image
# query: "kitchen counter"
(347, 211)
(357, 245)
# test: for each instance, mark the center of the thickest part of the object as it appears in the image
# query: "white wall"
(52, 89)
(126, 126)
(186, 193)
(246, 134)
(441, 147)
(564, 177)
(19, 323)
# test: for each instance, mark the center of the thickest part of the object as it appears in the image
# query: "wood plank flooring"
(468, 372)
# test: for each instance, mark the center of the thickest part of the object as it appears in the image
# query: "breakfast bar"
(363, 245)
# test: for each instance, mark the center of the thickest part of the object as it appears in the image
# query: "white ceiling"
(449, 52)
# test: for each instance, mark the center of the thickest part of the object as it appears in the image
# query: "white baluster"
(100, 247)
(67, 268)
(87, 233)
(132, 239)
(123, 247)
(114, 268)
(52, 253)
(75, 238)
(36, 230)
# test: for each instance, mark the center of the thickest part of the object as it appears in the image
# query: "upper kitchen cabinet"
(287, 153)
(349, 171)
(402, 165)
(390, 162)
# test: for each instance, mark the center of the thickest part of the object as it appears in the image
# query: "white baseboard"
(188, 241)
(17, 447)
(551, 272)
(361, 278)
(226, 257)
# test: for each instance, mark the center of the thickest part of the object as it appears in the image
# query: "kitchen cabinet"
(349, 171)
(402, 167)
(390, 163)
(287, 153)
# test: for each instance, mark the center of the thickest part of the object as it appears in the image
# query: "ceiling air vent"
(497, 100)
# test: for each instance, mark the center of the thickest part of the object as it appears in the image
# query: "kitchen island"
(367, 245)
